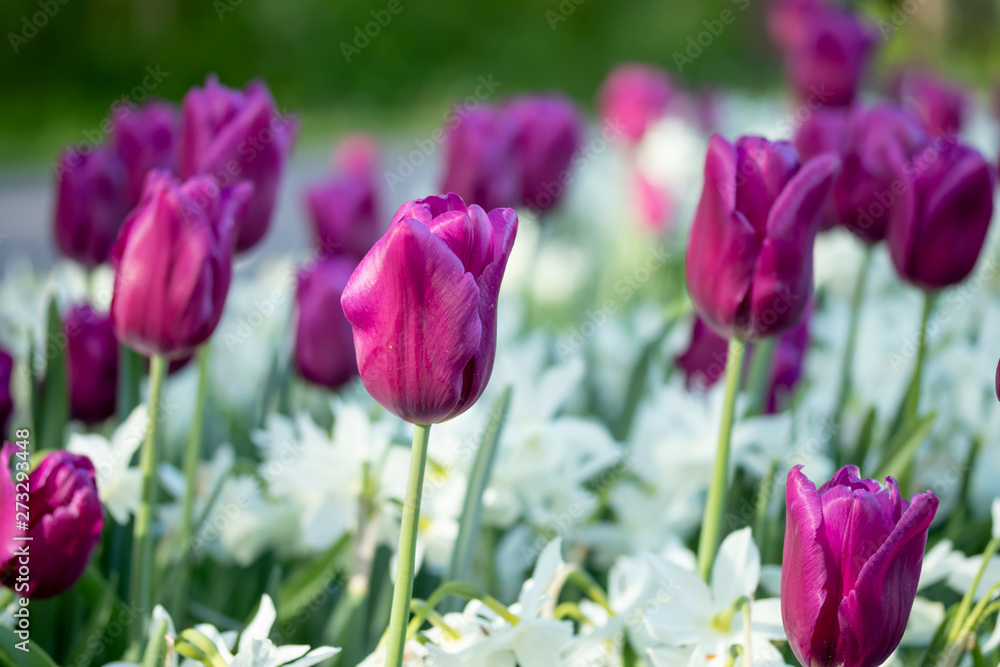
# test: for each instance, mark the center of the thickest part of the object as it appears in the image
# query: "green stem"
(966, 604)
(406, 554)
(142, 542)
(763, 505)
(913, 396)
(192, 456)
(708, 542)
(852, 337)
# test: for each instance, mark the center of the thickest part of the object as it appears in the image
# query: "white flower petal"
(737, 569)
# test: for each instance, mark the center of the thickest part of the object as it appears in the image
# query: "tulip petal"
(414, 310)
(855, 526)
(879, 606)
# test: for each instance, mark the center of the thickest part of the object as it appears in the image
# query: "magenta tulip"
(6, 401)
(65, 519)
(750, 253)
(853, 551)
(234, 136)
(824, 131)
(344, 213)
(92, 356)
(828, 61)
(787, 365)
(173, 264)
(633, 97)
(704, 360)
(788, 21)
(482, 163)
(939, 103)
(91, 204)
(873, 190)
(548, 132)
(940, 243)
(423, 305)
(146, 139)
(324, 340)
(355, 152)
(997, 383)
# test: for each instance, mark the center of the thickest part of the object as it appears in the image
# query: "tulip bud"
(146, 139)
(853, 551)
(873, 189)
(6, 402)
(344, 212)
(356, 152)
(423, 307)
(173, 264)
(939, 245)
(482, 163)
(824, 131)
(548, 131)
(324, 340)
(939, 103)
(91, 204)
(750, 253)
(789, 20)
(65, 522)
(234, 136)
(635, 96)
(827, 62)
(92, 355)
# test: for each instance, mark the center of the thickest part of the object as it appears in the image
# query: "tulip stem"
(406, 554)
(844, 390)
(913, 395)
(142, 542)
(192, 456)
(708, 541)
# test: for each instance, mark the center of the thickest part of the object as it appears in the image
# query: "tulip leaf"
(102, 601)
(899, 451)
(637, 383)
(865, 437)
(940, 639)
(130, 371)
(306, 584)
(30, 656)
(54, 400)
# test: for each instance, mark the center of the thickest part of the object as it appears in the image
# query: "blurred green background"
(64, 76)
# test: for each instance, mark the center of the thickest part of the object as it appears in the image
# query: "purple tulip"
(997, 382)
(873, 188)
(64, 525)
(324, 340)
(173, 264)
(939, 245)
(344, 212)
(92, 355)
(853, 551)
(824, 131)
(704, 361)
(91, 204)
(750, 252)
(548, 132)
(939, 103)
(235, 136)
(355, 152)
(423, 304)
(654, 202)
(787, 365)
(634, 96)
(146, 139)
(482, 161)
(789, 20)
(6, 401)
(827, 62)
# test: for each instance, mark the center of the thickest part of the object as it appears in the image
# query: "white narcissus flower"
(701, 616)
(118, 485)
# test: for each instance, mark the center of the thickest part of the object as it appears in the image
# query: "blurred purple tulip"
(654, 202)
(235, 136)
(827, 62)
(344, 213)
(939, 103)
(423, 305)
(548, 132)
(824, 131)
(92, 355)
(750, 252)
(6, 401)
(789, 20)
(873, 188)
(91, 204)
(355, 152)
(173, 264)
(787, 365)
(853, 551)
(634, 96)
(998, 381)
(65, 522)
(939, 245)
(482, 163)
(704, 361)
(324, 340)
(146, 139)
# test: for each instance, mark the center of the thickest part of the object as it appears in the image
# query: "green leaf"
(305, 584)
(940, 638)
(54, 400)
(102, 602)
(899, 451)
(131, 368)
(11, 656)
(157, 648)
(865, 437)
(637, 383)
